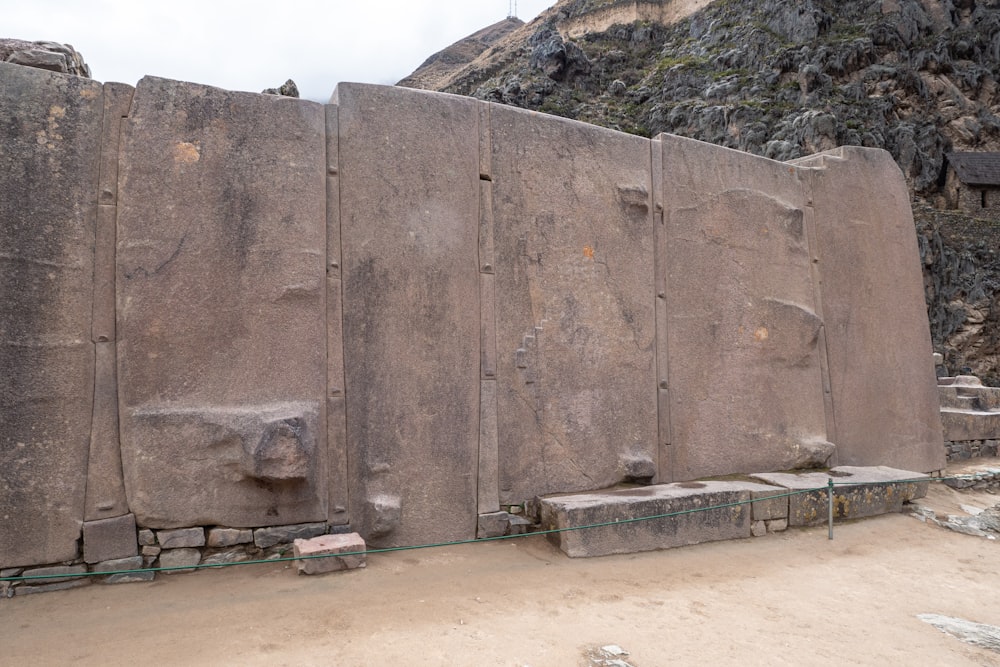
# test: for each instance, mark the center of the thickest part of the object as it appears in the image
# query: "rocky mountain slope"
(786, 78)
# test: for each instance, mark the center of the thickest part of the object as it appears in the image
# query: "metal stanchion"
(829, 495)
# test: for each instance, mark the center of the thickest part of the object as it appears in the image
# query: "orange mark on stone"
(588, 252)
(761, 334)
(187, 153)
(88, 93)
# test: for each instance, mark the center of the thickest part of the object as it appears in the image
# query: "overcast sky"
(252, 45)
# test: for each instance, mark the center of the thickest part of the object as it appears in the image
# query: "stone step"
(740, 509)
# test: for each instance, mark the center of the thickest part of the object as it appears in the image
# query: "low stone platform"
(616, 505)
(739, 508)
(858, 492)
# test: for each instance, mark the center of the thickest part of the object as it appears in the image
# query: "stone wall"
(400, 311)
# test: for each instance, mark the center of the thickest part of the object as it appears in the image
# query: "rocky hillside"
(786, 78)
(435, 72)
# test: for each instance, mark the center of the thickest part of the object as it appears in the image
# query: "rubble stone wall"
(226, 313)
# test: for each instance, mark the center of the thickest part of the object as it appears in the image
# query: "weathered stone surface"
(48, 588)
(181, 537)
(147, 538)
(859, 492)
(767, 507)
(745, 376)
(105, 482)
(151, 551)
(51, 56)
(109, 539)
(53, 574)
(409, 211)
(336, 412)
(488, 489)
(228, 537)
(493, 524)
(268, 537)
(573, 231)
(221, 296)
(234, 555)
(122, 565)
(586, 509)
(51, 133)
(878, 343)
(179, 558)
(351, 545)
(777, 525)
(264, 458)
(969, 424)
(758, 528)
(970, 632)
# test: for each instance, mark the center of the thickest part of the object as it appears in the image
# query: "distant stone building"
(972, 183)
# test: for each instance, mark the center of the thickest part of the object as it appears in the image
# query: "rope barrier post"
(829, 495)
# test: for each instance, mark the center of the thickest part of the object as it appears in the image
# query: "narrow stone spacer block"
(350, 544)
(768, 508)
(109, 539)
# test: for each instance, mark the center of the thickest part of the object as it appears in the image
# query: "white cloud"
(252, 45)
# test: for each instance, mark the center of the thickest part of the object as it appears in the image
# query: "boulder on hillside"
(52, 56)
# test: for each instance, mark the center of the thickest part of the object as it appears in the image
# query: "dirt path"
(788, 599)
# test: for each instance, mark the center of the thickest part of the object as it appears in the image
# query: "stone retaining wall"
(402, 310)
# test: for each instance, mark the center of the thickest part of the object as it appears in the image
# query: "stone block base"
(617, 507)
(351, 545)
(858, 492)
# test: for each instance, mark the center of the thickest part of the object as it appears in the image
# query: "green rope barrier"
(550, 531)
(434, 545)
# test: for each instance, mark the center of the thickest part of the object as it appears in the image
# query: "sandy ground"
(793, 598)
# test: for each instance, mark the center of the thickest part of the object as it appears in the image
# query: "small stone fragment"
(519, 525)
(758, 528)
(123, 567)
(352, 545)
(494, 524)
(179, 558)
(146, 538)
(151, 551)
(46, 588)
(229, 537)
(235, 555)
(777, 525)
(54, 574)
(268, 537)
(181, 537)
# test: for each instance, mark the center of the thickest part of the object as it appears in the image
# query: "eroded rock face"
(51, 56)
(51, 136)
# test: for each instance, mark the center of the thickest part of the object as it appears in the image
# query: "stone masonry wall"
(228, 315)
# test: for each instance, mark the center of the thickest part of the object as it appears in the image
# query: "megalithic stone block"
(50, 130)
(575, 321)
(409, 206)
(878, 341)
(745, 378)
(222, 307)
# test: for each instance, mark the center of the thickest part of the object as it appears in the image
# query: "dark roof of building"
(976, 168)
